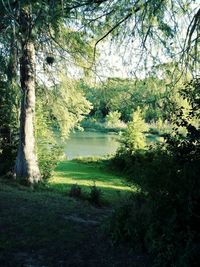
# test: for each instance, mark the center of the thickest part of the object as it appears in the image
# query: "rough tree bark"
(26, 163)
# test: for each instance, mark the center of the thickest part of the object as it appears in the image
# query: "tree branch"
(130, 13)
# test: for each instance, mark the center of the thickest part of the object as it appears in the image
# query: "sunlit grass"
(85, 174)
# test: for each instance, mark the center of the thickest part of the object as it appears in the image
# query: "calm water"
(83, 144)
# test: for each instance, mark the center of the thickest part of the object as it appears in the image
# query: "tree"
(134, 138)
(33, 23)
(152, 94)
(59, 109)
(29, 19)
(113, 119)
(154, 24)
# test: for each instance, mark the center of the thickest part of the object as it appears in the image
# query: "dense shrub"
(124, 221)
(95, 196)
(9, 105)
(75, 191)
(133, 137)
(168, 219)
(168, 177)
(49, 155)
(59, 109)
(49, 150)
(113, 120)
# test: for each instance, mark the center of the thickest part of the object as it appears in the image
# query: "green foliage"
(187, 146)
(133, 138)
(49, 152)
(123, 224)
(126, 95)
(113, 121)
(168, 178)
(9, 105)
(113, 118)
(58, 110)
(67, 105)
(160, 127)
(166, 223)
(77, 42)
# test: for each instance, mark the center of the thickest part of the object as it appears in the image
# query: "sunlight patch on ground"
(86, 174)
(90, 182)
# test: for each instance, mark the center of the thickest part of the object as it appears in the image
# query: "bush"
(166, 222)
(95, 196)
(168, 178)
(49, 155)
(134, 138)
(113, 120)
(124, 225)
(48, 151)
(160, 127)
(152, 114)
(75, 191)
(9, 107)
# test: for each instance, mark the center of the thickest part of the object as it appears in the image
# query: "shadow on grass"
(113, 187)
(85, 173)
(35, 229)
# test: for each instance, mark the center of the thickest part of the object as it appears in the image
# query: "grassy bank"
(85, 173)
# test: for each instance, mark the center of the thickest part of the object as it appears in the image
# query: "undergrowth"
(164, 216)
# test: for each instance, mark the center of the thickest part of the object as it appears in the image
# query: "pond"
(91, 143)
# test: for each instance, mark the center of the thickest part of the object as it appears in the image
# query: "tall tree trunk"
(26, 163)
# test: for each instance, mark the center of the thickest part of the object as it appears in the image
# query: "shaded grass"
(42, 226)
(85, 173)
(36, 229)
(33, 223)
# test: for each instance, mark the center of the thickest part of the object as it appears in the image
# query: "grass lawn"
(87, 172)
(47, 228)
